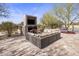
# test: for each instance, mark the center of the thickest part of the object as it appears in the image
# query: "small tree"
(66, 14)
(20, 26)
(4, 12)
(7, 26)
(50, 21)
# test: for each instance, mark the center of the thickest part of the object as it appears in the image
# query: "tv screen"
(30, 21)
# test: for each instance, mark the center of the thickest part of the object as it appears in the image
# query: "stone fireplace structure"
(40, 40)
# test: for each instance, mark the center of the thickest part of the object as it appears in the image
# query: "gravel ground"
(68, 45)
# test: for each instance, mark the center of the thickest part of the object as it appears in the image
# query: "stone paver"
(68, 45)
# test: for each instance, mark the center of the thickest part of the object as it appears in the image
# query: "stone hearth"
(43, 41)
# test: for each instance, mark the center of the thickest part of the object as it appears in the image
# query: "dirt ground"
(68, 45)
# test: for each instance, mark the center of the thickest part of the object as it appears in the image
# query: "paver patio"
(68, 45)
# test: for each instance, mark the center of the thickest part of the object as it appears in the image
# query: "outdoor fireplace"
(31, 23)
(42, 39)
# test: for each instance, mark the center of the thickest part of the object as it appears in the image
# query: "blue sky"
(17, 10)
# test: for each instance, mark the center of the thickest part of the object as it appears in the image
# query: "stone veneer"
(43, 41)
